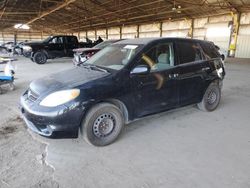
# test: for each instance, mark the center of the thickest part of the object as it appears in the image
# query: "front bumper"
(57, 122)
(27, 54)
(42, 131)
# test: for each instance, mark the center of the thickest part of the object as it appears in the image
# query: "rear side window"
(209, 50)
(72, 40)
(188, 52)
(56, 40)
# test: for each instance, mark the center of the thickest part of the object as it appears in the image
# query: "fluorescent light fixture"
(21, 26)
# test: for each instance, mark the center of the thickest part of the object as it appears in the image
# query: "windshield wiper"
(93, 67)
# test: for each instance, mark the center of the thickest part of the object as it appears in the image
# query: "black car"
(123, 82)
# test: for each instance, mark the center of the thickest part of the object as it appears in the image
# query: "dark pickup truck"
(53, 47)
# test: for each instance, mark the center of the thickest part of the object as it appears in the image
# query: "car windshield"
(47, 39)
(114, 56)
(104, 44)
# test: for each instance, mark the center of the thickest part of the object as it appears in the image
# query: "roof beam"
(102, 16)
(60, 6)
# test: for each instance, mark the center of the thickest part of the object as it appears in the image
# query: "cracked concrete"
(185, 148)
(23, 156)
(19, 164)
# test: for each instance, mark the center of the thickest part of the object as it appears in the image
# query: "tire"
(40, 58)
(102, 124)
(211, 98)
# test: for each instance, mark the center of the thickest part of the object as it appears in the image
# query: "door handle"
(173, 75)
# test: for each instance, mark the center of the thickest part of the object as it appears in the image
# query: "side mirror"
(140, 69)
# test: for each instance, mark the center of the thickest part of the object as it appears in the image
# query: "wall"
(243, 41)
(179, 28)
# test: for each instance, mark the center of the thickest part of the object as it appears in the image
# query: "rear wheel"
(211, 98)
(40, 58)
(102, 125)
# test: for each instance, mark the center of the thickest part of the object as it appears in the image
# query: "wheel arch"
(119, 104)
(216, 80)
(41, 50)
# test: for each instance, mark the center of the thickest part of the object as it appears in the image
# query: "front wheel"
(102, 125)
(211, 98)
(40, 58)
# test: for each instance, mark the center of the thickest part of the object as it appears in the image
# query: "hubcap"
(40, 58)
(211, 97)
(104, 125)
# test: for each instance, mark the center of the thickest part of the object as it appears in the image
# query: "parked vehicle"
(53, 47)
(3, 50)
(125, 81)
(7, 76)
(18, 49)
(83, 54)
(7, 47)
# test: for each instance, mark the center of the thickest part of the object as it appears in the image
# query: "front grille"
(32, 96)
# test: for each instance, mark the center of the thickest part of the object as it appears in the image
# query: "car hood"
(66, 79)
(33, 43)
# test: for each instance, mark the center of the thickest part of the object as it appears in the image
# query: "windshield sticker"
(132, 47)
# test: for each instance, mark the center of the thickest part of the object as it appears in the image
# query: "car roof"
(113, 40)
(149, 40)
(138, 40)
(62, 36)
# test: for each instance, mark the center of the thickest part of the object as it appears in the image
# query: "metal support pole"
(234, 33)
(137, 31)
(160, 29)
(191, 31)
(15, 38)
(120, 32)
(107, 33)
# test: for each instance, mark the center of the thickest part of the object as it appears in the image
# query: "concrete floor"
(185, 148)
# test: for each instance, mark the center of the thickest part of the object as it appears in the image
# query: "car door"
(70, 44)
(157, 90)
(55, 47)
(191, 77)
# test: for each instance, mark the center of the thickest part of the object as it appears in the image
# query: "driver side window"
(56, 40)
(159, 58)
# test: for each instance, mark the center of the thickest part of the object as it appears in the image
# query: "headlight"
(60, 97)
(27, 48)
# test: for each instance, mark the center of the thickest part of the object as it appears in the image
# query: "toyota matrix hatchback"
(125, 81)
